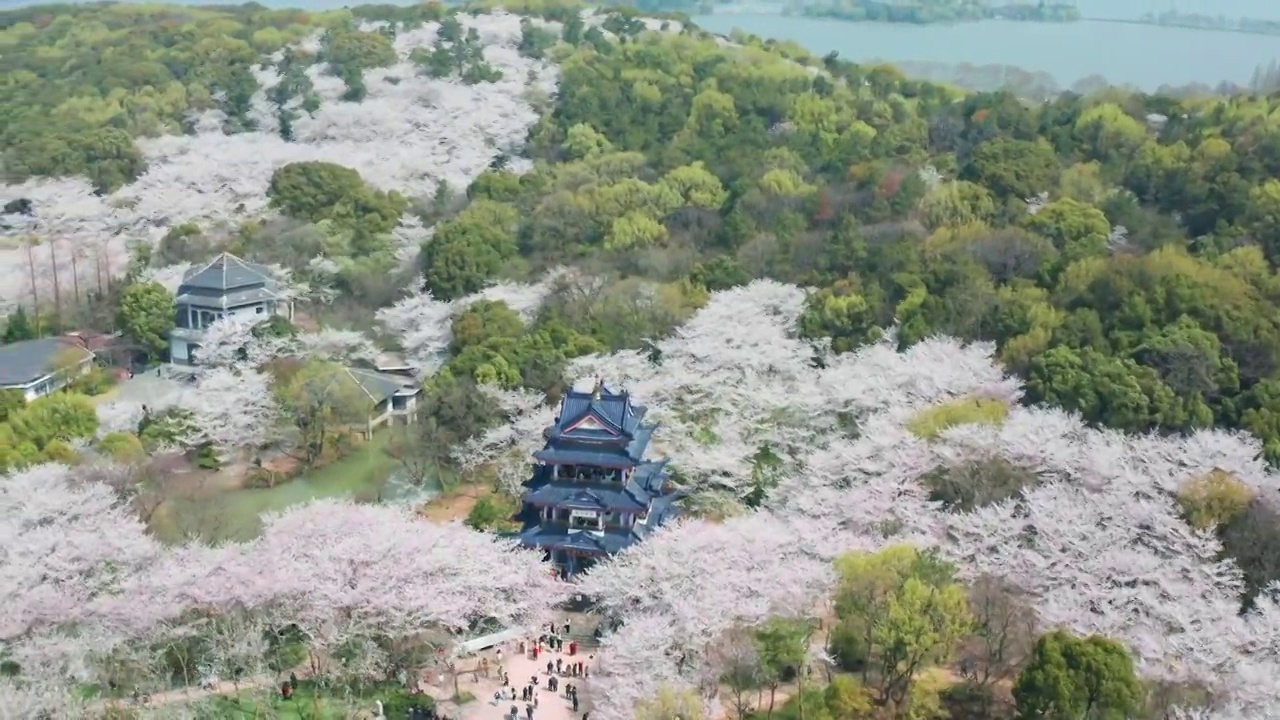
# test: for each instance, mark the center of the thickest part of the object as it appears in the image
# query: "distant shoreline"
(782, 10)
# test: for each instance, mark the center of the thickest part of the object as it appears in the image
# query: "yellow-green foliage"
(1213, 499)
(930, 423)
(122, 446)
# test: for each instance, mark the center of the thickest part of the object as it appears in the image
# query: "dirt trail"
(186, 695)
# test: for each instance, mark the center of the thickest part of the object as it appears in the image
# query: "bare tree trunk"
(35, 293)
(800, 691)
(97, 269)
(57, 291)
(75, 277)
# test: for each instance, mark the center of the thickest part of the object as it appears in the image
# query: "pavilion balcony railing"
(566, 524)
(572, 473)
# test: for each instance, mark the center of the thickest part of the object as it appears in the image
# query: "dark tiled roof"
(226, 272)
(24, 362)
(380, 386)
(615, 417)
(602, 457)
(608, 542)
(587, 498)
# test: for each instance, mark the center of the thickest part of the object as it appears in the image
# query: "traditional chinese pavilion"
(593, 493)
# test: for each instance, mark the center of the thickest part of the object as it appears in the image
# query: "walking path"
(187, 694)
(520, 669)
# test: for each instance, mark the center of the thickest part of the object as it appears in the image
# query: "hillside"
(1037, 344)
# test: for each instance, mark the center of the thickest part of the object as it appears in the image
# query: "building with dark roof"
(225, 287)
(40, 366)
(391, 397)
(593, 492)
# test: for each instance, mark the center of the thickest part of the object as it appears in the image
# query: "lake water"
(1140, 55)
(1144, 56)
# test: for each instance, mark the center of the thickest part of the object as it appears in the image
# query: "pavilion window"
(585, 520)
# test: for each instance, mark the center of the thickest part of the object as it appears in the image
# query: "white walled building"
(226, 287)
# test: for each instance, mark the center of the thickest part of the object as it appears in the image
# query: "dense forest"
(1119, 250)
(1117, 236)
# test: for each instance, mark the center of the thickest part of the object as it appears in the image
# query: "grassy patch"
(235, 515)
(931, 422)
(312, 703)
(306, 704)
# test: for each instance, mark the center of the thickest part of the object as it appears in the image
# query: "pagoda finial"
(599, 389)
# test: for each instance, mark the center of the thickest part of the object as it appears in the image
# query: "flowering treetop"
(1093, 533)
(75, 559)
(683, 588)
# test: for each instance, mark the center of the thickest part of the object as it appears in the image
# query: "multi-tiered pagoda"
(593, 493)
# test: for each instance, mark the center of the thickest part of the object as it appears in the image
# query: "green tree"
(491, 513)
(348, 50)
(1104, 389)
(1069, 678)
(18, 327)
(11, 401)
(470, 249)
(146, 315)
(841, 314)
(315, 191)
(484, 321)
(61, 416)
(903, 609)
(783, 647)
(1076, 229)
(1014, 168)
(669, 704)
(923, 625)
(324, 401)
(122, 447)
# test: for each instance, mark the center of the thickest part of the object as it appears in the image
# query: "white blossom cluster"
(422, 324)
(1097, 541)
(80, 576)
(409, 134)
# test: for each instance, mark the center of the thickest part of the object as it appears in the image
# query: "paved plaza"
(520, 669)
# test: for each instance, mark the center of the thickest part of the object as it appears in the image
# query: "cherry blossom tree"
(1094, 538)
(33, 698)
(724, 390)
(422, 324)
(509, 447)
(410, 133)
(346, 573)
(681, 590)
(232, 409)
(68, 547)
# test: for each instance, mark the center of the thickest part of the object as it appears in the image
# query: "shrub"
(121, 446)
(1212, 500)
(60, 451)
(207, 458)
(931, 422)
(977, 483)
(95, 382)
